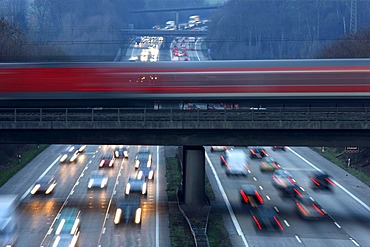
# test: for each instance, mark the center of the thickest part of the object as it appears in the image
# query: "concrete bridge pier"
(194, 175)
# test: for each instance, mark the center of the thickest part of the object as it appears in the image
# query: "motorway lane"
(37, 213)
(297, 231)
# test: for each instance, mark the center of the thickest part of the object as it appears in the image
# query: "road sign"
(352, 149)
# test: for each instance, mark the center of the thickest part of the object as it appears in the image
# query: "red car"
(107, 161)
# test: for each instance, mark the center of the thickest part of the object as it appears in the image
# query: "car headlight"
(128, 187)
(140, 175)
(63, 158)
(91, 181)
(74, 157)
(137, 163)
(35, 189)
(111, 163)
(104, 182)
(117, 217)
(50, 189)
(116, 153)
(143, 189)
(125, 153)
(101, 163)
(151, 174)
(138, 216)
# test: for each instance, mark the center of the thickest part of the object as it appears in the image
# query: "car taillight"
(259, 197)
(278, 223)
(314, 180)
(330, 182)
(301, 208)
(317, 208)
(257, 222)
(245, 197)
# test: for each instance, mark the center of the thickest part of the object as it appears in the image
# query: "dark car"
(308, 208)
(107, 160)
(257, 152)
(136, 185)
(284, 181)
(121, 152)
(269, 164)
(146, 172)
(250, 195)
(70, 155)
(128, 210)
(321, 181)
(274, 148)
(218, 149)
(143, 158)
(266, 218)
(44, 185)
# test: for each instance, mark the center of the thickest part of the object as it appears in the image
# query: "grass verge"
(27, 156)
(180, 234)
(332, 156)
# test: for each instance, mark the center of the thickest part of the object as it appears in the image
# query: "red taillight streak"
(276, 179)
(252, 151)
(301, 208)
(259, 197)
(276, 166)
(329, 181)
(264, 165)
(278, 222)
(245, 197)
(317, 183)
(299, 193)
(318, 210)
(292, 180)
(257, 222)
(263, 151)
(246, 167)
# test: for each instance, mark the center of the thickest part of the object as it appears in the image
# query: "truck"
(8, 221)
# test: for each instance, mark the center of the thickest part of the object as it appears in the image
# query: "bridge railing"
(178, 115)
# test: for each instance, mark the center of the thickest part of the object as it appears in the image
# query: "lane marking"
(337, 224)
(254, 178)
(276, 209)
(339, 185)
(228, 205)
(286, 223)
(41, 176)
(354, 241)
(196, 50)
(268, 198)
(156, 205)
(298, 239)
(261, 187)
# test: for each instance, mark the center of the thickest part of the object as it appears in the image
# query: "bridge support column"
(194, 175)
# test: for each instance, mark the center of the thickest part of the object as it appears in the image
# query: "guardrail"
(176, 115)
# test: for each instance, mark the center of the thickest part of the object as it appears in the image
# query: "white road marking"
(196, 52)
(261, 187)
(337, 224)
(286, 223)
(268, 198)
(354, 241)
(228, 205)
(276, 209)
(298, 239)
(301, 188)
(339, 185)
(103, 232)
(254, 178)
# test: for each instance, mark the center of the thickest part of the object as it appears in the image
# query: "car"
(236, 163)
(136, 185)
(121, 151)
(97, 179)
(284, 181)
(308, 208)
(269, 164)
(146, 172)
(216, 106)
(80, 148)
(44, 185)
(274, 148)
(128, 210)
(250, 195)
(143, 157)
(218, 149)
(266, 218)
(321, 181)
(67, 227)
(257, 152)
(70, 155)
(107, 160)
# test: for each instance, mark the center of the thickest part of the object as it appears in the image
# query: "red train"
(337, 78)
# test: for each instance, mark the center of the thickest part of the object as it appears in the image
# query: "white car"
(97, 180)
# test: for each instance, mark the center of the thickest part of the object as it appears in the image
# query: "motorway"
(348, 221)
(37, 213)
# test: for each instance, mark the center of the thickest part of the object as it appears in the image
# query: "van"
(235, 162)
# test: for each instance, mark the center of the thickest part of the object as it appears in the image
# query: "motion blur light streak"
(285, 78)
